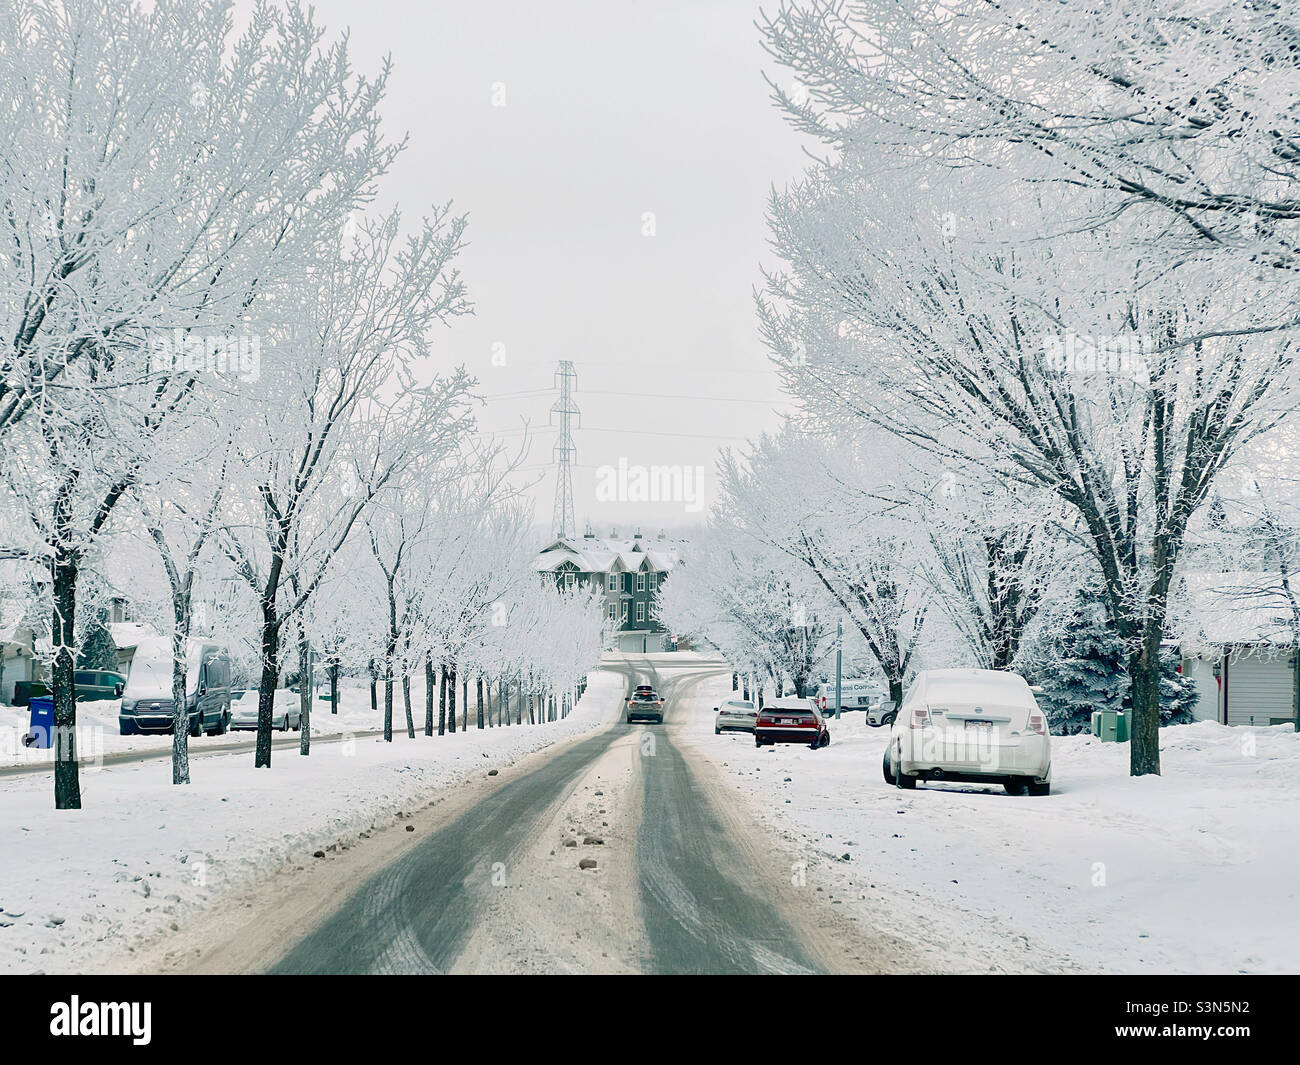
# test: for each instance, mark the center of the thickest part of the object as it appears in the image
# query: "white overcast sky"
(612, 109)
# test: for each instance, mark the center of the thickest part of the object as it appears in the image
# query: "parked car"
(979, 726)
(645, 707)
(95, 684)
(882, 712)
(855, 694)
(736, 715)
(147, 700)
(791, 721)
(286, 714)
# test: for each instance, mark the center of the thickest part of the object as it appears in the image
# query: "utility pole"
(565, 453)
(839, 661)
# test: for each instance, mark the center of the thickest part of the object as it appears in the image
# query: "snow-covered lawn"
(1197, 870)
(98, 734)
(143, 854)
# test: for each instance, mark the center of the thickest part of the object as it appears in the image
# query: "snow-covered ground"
(141, 855)
(98, 734)
(1197, 870)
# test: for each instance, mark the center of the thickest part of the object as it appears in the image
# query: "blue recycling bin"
(41, 732)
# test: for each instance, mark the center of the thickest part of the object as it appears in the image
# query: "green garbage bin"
(1110, 726)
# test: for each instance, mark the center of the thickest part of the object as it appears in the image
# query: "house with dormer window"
(629, 573)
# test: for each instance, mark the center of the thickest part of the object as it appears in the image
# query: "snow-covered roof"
(1242, 607)
(594, 554)
(128, 634)
(19, 635)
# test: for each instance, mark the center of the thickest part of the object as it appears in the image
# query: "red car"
(791, 721)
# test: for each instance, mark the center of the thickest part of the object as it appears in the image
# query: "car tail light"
(1037, 723)
(920, 717)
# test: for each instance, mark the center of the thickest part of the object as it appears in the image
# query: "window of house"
(624, 611)
(640, 611)
(611, 611)
(640, 582)
(611, 583)
(652, 581)
(569, 579)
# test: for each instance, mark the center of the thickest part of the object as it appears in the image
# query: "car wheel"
(1015, 787)
(887, 769)
(717, 731)
(888, 719)
(285, 726)
(826, 740)
(196, 726)
(1045, 788)
(758, 742)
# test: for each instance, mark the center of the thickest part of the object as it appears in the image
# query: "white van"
(855, 694)
(975, 725)
(147, 696)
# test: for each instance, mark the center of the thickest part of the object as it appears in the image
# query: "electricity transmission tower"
(565, 452)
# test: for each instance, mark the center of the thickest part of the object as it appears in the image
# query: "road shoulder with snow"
(1190, 872)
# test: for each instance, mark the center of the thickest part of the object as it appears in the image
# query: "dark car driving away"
(645, 706)
(791, 721)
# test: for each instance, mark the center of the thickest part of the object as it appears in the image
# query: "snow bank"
(142, 854)
(1192, 871)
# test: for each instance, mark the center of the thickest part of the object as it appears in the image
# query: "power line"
(684, 395)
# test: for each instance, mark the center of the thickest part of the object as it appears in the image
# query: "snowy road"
(684, 878)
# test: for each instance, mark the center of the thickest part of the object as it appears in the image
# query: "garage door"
(1261, 690)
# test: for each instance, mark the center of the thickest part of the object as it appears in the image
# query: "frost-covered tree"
(830, 508)
(1053, 245)
(161, 174)
(350, 416)
(763, 612)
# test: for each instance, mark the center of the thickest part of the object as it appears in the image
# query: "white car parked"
(286, 714)
(976, 725)
(736, 715)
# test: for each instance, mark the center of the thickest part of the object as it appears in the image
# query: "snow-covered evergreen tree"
(1081, 667)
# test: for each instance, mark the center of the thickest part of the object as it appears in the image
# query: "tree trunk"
(388, 707)
(270, 678)
(334, 687)
(896, 692)
(464, 705)
(180, 718)
(478, 684)
(67, 780)
(406, 702)
(374, 686)
(304, 694)
(442, 700)
(451, 702)
(1144, 729)
(428, 695)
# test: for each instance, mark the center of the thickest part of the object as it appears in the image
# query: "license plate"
(980, 726)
